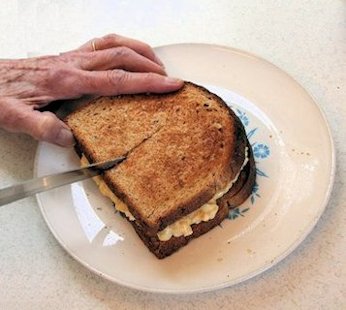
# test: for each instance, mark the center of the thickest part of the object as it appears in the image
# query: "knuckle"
(45, 127)
(150, 76)
(65, 71)
(112, 37)
(122, 52)
(69, 56)
(109, 40)
(117, 78)
(146, 47)
(74, 60)
(38, 132)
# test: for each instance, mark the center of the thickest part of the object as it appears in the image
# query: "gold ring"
(93, 44)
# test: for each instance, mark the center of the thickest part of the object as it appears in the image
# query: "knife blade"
(45, 183)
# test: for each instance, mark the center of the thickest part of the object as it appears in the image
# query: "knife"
(45, 183)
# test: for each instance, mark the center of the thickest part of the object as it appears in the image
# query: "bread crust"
(242, 188)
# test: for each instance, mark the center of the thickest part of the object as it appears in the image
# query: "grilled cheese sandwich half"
(181, 227)
(188, 160)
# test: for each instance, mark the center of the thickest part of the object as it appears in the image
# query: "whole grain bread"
(240, 191)
(181, 148)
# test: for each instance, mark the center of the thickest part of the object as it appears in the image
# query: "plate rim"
(309, 228)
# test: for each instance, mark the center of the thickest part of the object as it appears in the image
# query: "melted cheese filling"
(106, 191)
(181, 227)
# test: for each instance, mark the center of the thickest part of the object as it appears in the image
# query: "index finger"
(116, 82)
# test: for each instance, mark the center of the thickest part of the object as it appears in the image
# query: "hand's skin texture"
(118, 66)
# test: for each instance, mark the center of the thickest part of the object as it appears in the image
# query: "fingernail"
(65, 138)
(172, 80)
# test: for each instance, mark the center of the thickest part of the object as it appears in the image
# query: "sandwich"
(188, 161)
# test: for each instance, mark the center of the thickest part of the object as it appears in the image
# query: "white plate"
(295, 160)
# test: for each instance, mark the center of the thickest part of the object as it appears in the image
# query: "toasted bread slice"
(182, 149)
(243, 188)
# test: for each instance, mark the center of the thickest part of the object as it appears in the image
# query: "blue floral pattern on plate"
(261, 152)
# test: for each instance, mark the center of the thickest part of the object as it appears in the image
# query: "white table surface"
(305, 38)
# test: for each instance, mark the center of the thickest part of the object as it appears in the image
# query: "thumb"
(45, 126)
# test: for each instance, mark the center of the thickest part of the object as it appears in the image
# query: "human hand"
(106, 66)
